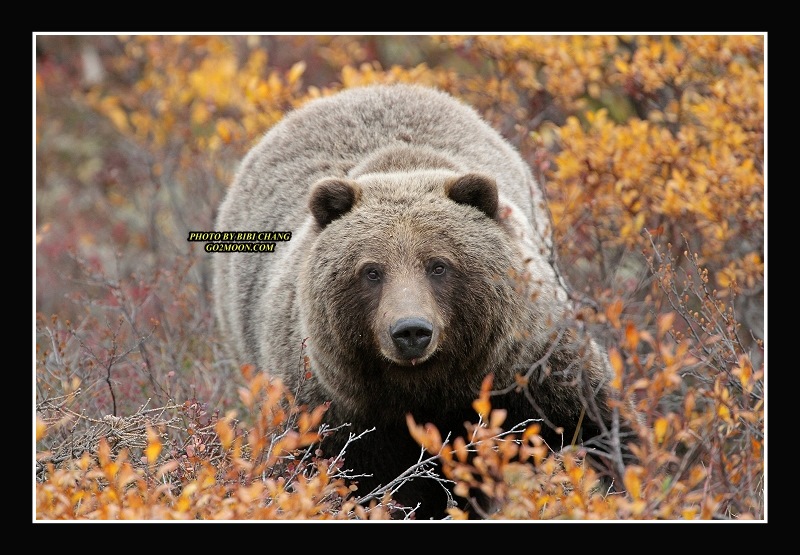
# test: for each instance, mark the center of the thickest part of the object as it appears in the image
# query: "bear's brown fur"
(413, 223)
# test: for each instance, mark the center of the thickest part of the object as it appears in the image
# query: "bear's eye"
(373, 274)
(438, 269)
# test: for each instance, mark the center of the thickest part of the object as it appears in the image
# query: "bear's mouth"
(415, 364)
(414, 361)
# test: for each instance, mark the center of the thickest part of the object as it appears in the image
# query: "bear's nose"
(411, 336)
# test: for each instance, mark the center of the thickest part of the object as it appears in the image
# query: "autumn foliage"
(651, 153)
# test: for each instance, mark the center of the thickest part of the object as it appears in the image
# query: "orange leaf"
(167, 467)
(427, 436)
(460, 448)
(616, 363)
(631, 337)
(225, 432)
(434, 439)
(531, 431)
(246, 397)
(417, 431)
(613, 311)
(482, 405)
(247, 371)
(688, 405)
(103, 452)
(497, 417)
(665, 322)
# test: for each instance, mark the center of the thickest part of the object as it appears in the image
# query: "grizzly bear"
(420, 262)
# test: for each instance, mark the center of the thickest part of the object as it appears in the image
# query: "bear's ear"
(331, 197)
(474, 189)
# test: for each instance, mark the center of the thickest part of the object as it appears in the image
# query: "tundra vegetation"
(650, 150)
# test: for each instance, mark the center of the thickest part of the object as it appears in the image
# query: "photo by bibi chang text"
(239, 241)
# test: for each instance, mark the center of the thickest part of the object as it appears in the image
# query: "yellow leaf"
(660, 429)
(85, 461)
(744, 371)
(224, 131)
(118, 118)
(726, 277)
(689, 513)
(632, 482)
(207, 480)
(297, 70)
(183, 504)
(153, 449)
(200, 113)
(638, 507)
(41, 428)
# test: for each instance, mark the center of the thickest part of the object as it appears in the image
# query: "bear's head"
(409, 290)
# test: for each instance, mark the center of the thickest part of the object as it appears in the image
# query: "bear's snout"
(411, 336)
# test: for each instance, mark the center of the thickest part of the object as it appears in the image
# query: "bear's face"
(407, 285)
